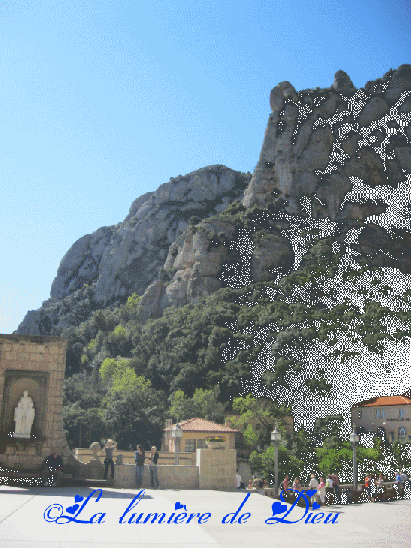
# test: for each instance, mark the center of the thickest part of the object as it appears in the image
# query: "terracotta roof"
(201, 425)
(384, 400)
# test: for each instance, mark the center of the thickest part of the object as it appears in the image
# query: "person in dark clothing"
(398, 485)
(407, 488)
(53, 473)
(140, 458)
(153, 465)
(371, 488)
(108, 461)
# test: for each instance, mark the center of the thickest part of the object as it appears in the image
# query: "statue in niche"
(24, 416)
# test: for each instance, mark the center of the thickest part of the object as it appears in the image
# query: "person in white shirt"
(238, 483)
(313, 485)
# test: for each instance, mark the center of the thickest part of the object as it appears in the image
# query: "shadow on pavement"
(71, 492)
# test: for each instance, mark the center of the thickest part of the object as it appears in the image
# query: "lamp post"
(354, 439)
(176, 434)
(275, 439)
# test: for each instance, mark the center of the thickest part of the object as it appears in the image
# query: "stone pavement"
(23, 525)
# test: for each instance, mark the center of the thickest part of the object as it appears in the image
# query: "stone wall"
(169, 476)
(85, 455)
(217, 468)
(36, 364)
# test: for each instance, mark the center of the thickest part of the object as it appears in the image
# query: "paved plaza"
(23, 523)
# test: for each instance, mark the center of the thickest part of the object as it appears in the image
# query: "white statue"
(24, 416)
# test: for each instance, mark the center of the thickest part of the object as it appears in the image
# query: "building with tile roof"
(388, 416)
(195, 433)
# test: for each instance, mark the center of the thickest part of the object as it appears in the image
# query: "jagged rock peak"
(318, 140)
(281, 92)
(343, 84)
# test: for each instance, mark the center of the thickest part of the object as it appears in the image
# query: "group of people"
(332, 483)
(139, 460)
(374, 485)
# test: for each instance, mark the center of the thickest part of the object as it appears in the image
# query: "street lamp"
(177, 434)
(275, 439)
(355, 440)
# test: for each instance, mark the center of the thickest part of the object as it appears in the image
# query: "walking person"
(398, 484)
(329, 487)
(238, 481)
(296, 487)
(53, 471)
(321, 491)
(153, 466)
(380, 487)
(110, 447)
(284, 486)
(336, 486)
(367, 485)
(140, 458)
(407, 487)
(372, 487)
(313, 485)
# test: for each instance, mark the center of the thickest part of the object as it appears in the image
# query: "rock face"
(321, 144)
(273, 254)
(335, 155)
(114, 262)
(316, 140)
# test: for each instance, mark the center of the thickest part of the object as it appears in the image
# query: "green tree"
(336, 455)
(83, 426)
(135, 415)
(119, 376)
(263, 464)
(256, 418)
(326, 427)
(204, 404)
(303, 447)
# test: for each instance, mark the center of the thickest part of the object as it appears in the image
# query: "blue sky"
(102, 101)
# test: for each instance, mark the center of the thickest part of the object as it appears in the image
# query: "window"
(378, 413)
(201, 444)
(401, 413)
(190, 446)
(383, 414)
(402, 432)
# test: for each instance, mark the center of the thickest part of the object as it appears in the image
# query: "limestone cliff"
(114, 262)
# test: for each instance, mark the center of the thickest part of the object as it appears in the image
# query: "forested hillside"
(257, 339)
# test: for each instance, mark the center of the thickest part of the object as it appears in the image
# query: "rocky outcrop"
(272, 256)
(343, 155)
(316, 140)
(126, 258)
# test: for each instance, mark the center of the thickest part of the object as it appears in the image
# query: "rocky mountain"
(114, 262)
(334, 160)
